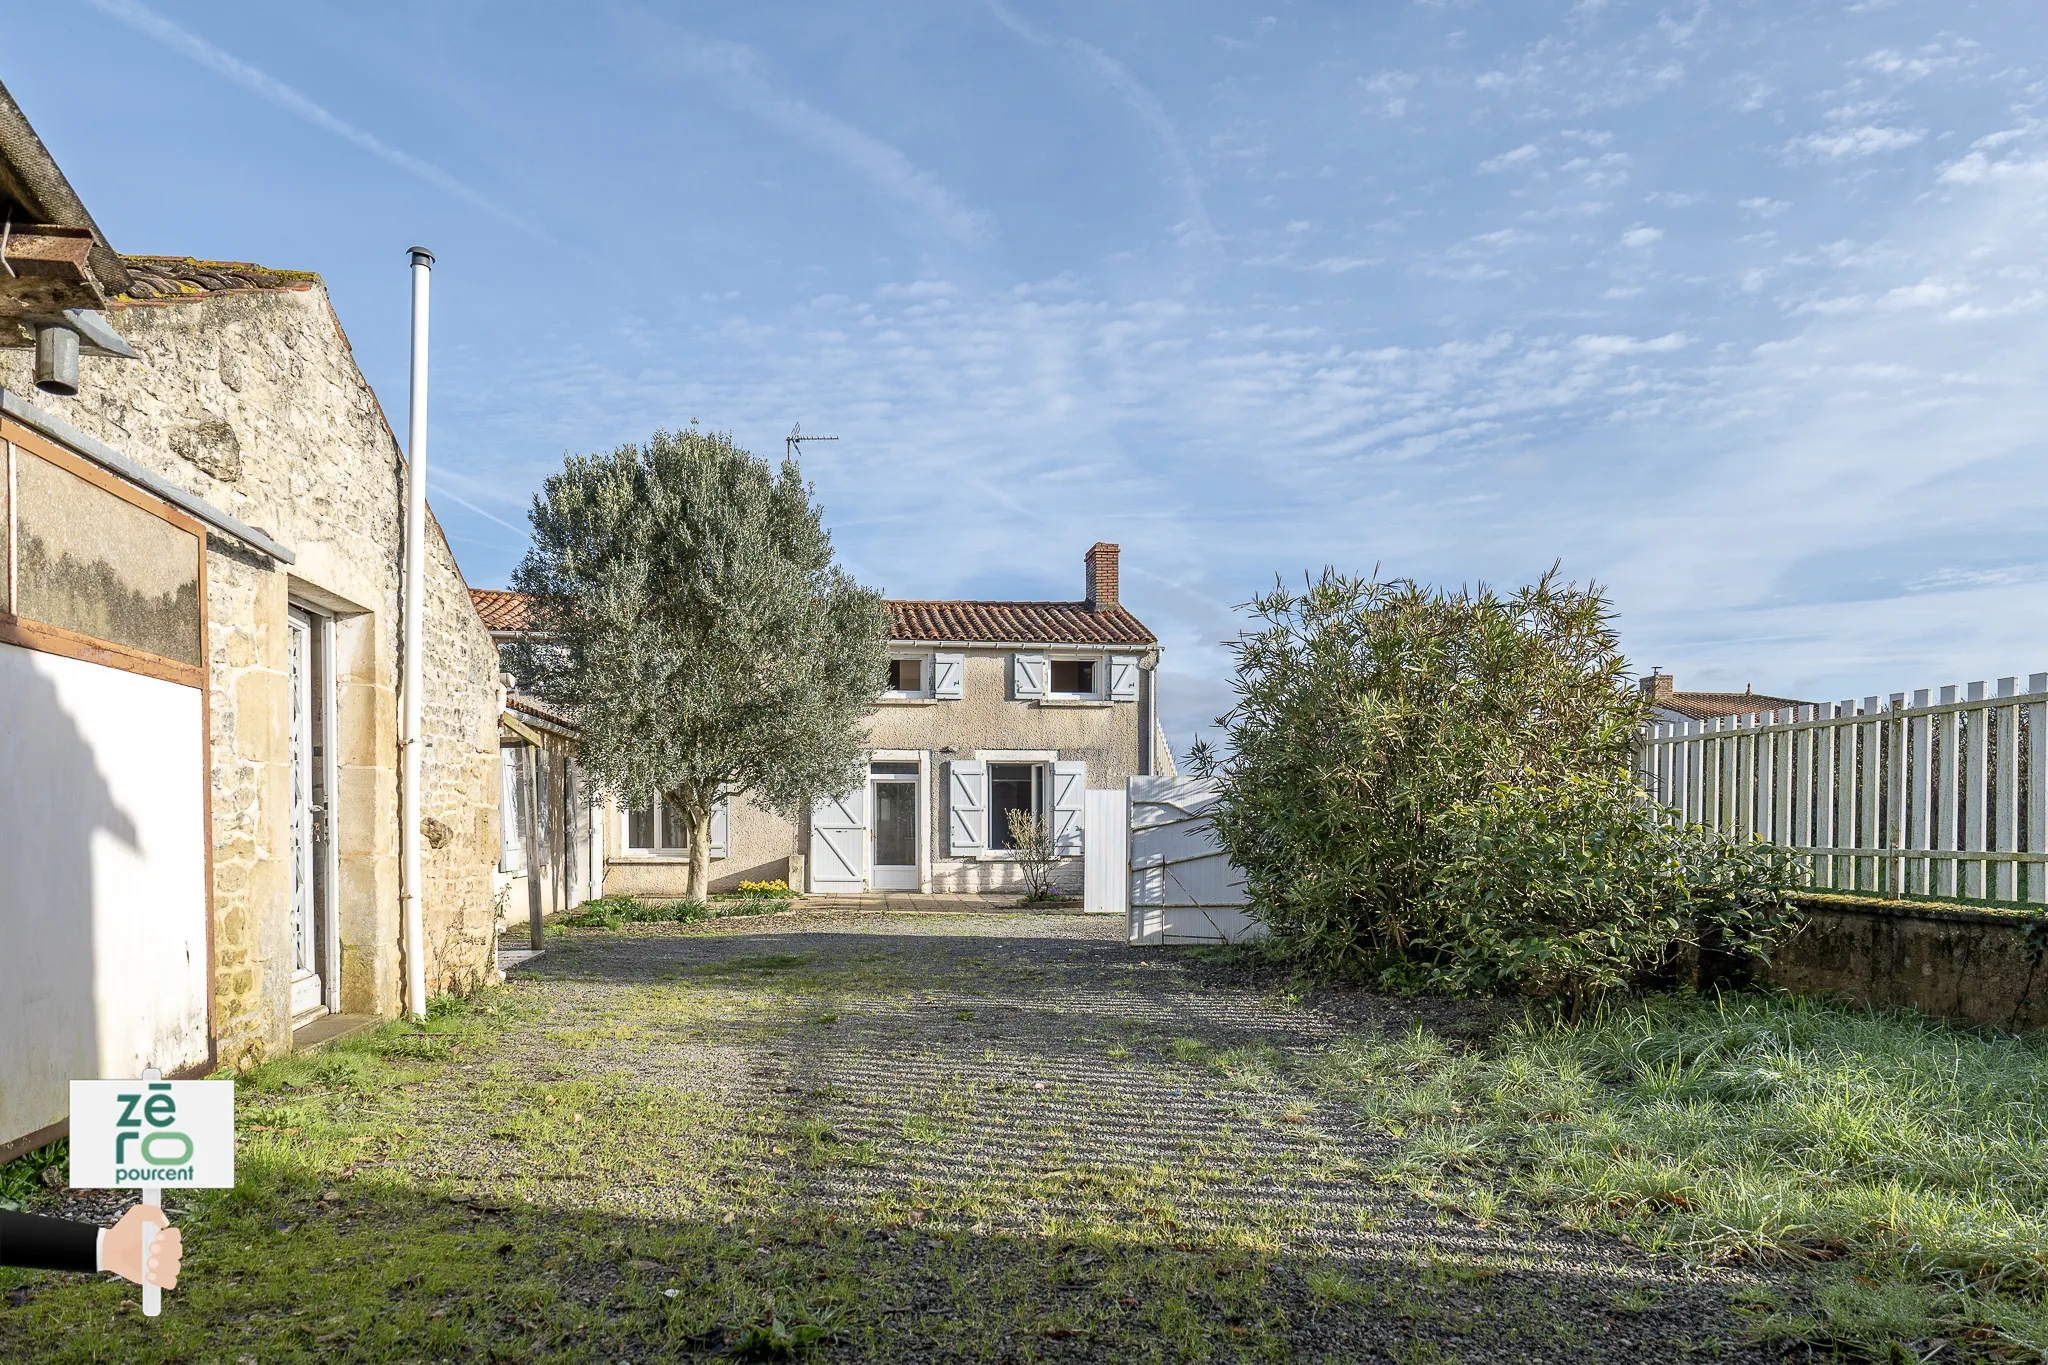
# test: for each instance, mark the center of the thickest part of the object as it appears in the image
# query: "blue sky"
(1737, 308)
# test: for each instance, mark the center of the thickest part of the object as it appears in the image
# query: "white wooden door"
(839, 843)
(892, 845)
(307, 994)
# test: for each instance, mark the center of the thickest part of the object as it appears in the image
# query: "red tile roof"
(1023, 623)
(534, 706)
(1707, 705)
(499, 609)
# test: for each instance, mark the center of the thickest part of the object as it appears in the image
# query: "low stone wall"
(1957, 962)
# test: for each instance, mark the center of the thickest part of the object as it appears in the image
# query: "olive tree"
(688, 613)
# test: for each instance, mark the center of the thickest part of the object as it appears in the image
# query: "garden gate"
(1183, 887)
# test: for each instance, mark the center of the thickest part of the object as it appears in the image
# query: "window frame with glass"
(657, 814)
(895, 691)
(1039, 780)
(1097, 666)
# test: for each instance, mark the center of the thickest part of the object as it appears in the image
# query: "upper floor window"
(907, 677)
(1074, 677)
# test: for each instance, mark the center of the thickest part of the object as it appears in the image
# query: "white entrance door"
(311, 720)
(892, 844)
(839, 839)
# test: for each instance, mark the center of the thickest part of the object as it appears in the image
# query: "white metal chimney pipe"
(415, 631)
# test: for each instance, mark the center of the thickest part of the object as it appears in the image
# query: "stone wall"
(1972, 965)
(251, 399)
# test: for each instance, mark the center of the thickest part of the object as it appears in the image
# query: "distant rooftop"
(1661, 689)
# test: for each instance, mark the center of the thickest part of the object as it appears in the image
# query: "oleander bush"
(1432, 788)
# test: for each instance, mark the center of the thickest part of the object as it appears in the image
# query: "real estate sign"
(131, 1134)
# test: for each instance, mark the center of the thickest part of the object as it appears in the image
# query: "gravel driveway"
(1010, 1136)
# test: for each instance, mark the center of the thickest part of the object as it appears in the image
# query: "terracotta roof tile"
(181, 277)
(499, 609)
(531, 705)
(1025, 623)
(1707, 705)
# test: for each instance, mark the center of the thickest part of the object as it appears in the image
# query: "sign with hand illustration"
(149, 1134)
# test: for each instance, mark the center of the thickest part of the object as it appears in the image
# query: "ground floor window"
(656, 827)
(1013, 786)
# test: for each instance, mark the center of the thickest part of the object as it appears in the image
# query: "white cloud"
(1977, 169)
(1507, 161)
(1637, 238)
(1621, 345)
(1764, 208)
(1848, 144)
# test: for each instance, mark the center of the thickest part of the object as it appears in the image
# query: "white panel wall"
(1184, 888)
(102, 880)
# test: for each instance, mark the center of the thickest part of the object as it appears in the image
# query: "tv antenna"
(793, 444)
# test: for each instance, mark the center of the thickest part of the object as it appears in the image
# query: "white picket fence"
(1941, 794)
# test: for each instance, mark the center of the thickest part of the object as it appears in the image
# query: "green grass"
(1906, 1159)
(615, 912)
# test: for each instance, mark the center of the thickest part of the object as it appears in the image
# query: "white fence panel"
(1940, 792)
(1183, 888)
(1106, 853)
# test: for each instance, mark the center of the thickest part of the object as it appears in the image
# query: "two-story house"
(990, 707)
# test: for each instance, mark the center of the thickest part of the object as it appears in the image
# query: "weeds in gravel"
(1758, 1129)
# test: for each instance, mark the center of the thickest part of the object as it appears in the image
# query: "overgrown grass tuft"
(1760, 1129)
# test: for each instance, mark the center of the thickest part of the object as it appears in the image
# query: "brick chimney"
(1657, 687)
(1101, 561)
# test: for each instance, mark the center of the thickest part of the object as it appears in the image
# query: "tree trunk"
(700, 853)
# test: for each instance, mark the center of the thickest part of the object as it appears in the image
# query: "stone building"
(991, 707)
(199, 670)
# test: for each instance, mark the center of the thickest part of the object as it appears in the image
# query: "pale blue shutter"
(718, 825)
(966, 806)
(949, 676)
(1069, 783)
(1027, 676)
(1123, 677)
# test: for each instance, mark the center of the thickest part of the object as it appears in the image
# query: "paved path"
(1056, 1146)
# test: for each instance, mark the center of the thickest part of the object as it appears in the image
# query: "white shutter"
(1123, 677)
(719, 825)
(949, 676)
(966, 806)
(839, 842)
(1027, 676)
(1069, 783)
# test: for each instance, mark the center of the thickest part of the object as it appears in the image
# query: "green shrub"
(1583, 886)
(1368, 709)
(615, 912)
(1432, 788)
